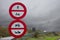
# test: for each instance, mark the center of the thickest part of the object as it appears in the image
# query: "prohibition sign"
(17, 32)
(24, 10)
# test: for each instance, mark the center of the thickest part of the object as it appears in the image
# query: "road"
(7, 38)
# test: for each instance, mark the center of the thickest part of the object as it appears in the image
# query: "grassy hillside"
(3, 32)
(37, 35)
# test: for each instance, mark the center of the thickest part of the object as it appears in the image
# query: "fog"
(42, 14)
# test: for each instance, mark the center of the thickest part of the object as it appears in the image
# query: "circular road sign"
(17, 28)
(17, 10)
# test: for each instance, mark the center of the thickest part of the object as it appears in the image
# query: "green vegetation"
(42, 36)
(37, 35)
(45, 38)
(4, 32)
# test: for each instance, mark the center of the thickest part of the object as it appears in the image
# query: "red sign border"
(9, 28)
(17, 3)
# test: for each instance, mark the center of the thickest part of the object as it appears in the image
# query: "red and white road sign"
(17, 10)
(17, 28)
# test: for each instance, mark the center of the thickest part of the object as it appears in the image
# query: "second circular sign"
(17, 28)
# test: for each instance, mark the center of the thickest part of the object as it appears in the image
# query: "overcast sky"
(42, 14)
